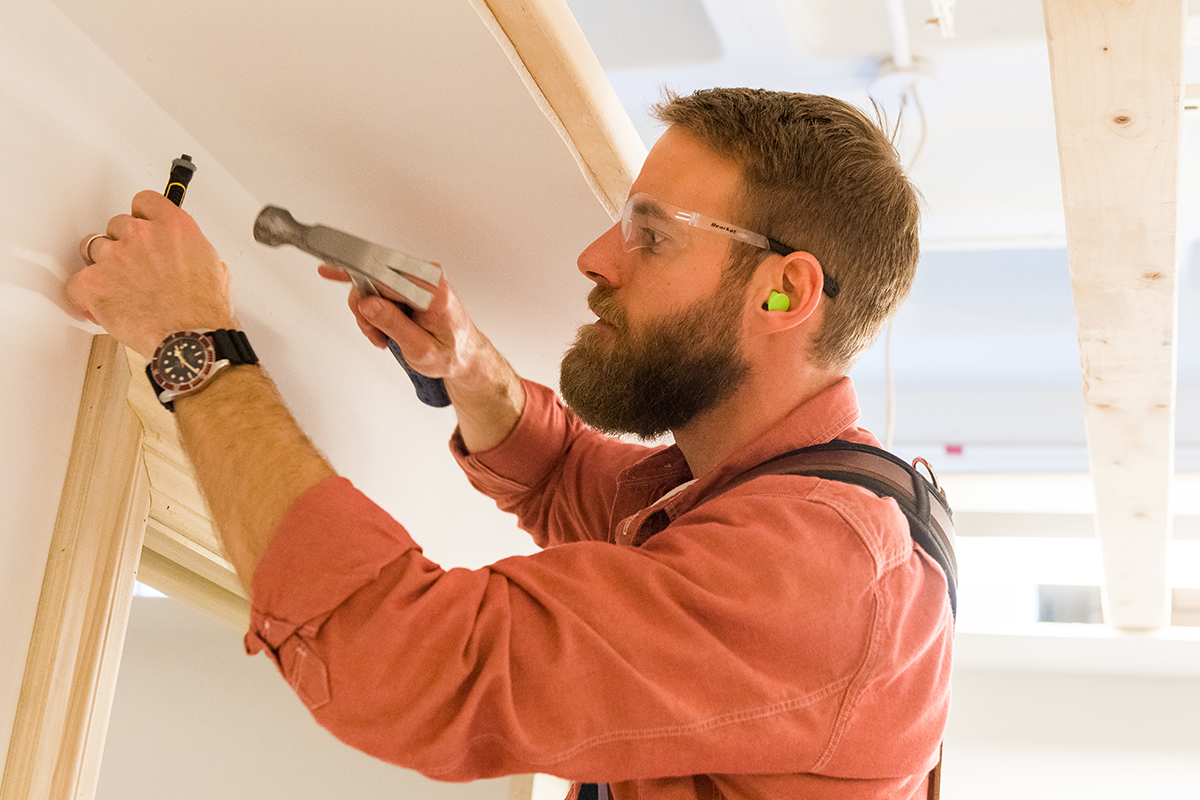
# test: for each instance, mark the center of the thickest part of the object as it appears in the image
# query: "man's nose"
(600, 262)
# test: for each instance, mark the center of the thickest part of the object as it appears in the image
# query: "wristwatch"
(187, 360)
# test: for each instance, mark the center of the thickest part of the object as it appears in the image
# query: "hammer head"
(275, 226)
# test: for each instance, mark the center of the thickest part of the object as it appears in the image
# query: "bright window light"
(142, 590)
(1011, 560)
(999, 576)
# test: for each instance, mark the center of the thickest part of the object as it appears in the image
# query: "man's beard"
(660, 377)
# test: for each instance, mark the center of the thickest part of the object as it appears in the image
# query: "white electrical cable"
(889, 431)
(901, 46)
(912, 160)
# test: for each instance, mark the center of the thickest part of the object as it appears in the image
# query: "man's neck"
(716, 435)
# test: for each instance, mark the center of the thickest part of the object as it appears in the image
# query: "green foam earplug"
(778, 301)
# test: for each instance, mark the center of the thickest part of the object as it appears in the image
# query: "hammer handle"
(430, 391)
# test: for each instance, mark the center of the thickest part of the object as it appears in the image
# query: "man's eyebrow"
(650, 208)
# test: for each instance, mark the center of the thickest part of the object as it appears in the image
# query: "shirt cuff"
(331, 542)
(521, 459)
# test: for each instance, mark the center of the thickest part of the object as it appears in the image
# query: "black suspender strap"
(930, 521)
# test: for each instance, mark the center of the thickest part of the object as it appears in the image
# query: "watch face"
(183, 360)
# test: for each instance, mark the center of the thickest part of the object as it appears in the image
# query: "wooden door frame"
(129, 508)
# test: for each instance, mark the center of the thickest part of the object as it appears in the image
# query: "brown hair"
(819, 176)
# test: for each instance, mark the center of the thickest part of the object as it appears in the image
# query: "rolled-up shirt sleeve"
(557, 475)
(306, 573)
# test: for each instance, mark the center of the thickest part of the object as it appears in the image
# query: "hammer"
(368, 265)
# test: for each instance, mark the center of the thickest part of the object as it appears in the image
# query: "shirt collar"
(828, 415)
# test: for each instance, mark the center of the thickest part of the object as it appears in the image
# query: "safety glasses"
(651, 224)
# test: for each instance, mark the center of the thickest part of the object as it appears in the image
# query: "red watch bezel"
(210, 358)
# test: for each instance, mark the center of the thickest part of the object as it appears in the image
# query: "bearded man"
(782, 639)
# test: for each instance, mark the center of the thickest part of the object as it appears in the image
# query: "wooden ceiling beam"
(1117, 73)
(552, 56)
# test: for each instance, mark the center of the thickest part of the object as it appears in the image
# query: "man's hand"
(443, 342)
(155, 274)
(152, 275)
(439, 342)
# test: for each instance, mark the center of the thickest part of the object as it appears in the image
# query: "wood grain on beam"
(71, 670)
(1116, 67)
(550, 53)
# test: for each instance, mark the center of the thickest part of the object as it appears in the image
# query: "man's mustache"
(604, 304)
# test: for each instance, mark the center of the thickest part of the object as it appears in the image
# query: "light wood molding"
(550, 53)
(176, 581)
(520, 787)
(130, 506)
(179, 528)
(79, 630)
(1117, 69)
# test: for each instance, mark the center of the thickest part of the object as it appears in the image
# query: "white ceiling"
(402, 122)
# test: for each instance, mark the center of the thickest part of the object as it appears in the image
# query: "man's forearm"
(251, 459)
(154, 273)
(488, 397)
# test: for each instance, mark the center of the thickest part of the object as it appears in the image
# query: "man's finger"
(79, 294)
(381, 313)
(389, 318)
(149, 204)
(333, 273)
(338, 274)
(373, 334)
(86, 245)
(117, 226)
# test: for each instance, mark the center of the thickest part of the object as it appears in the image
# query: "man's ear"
(789, 290)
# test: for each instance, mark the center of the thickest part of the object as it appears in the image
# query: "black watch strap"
(233, 345)
(228, 345)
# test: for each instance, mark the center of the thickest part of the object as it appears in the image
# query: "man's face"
(659, 376)
(667, 345)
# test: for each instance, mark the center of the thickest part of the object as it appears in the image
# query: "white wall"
(77, 139)
(64, 168)
(1046, 736)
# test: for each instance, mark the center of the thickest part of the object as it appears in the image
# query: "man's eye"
(653, 238)
(648, 232)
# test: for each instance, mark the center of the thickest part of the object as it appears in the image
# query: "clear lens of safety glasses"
(646, 222)
(664, 229)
